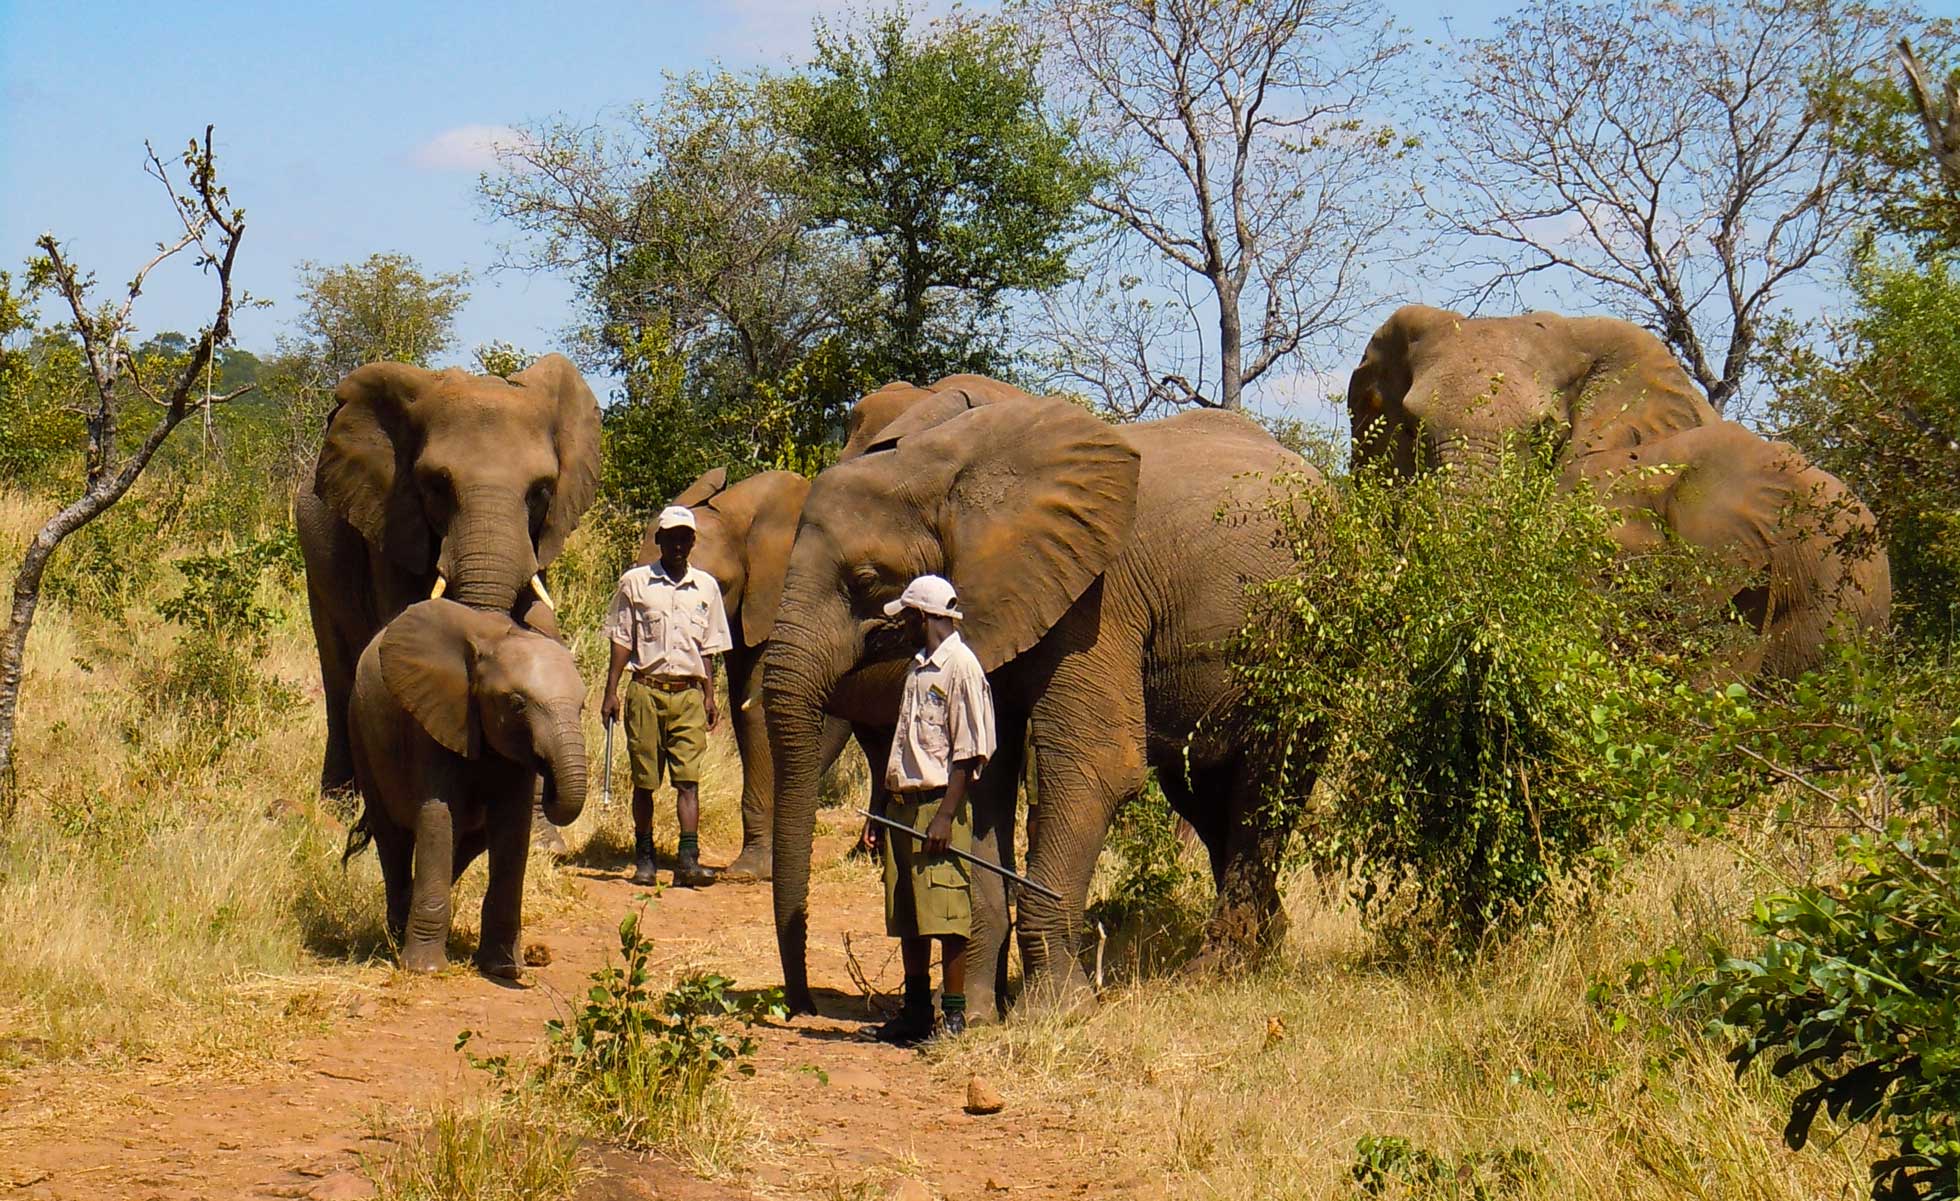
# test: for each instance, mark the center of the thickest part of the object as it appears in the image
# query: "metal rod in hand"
(995, 868)
(606, 800)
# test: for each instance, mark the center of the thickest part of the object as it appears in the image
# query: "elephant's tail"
(359, 835)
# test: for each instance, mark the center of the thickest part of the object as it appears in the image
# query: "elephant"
(1618, 414)
(438, 483)
(743, 536)
(1101, 591)
(456, 716)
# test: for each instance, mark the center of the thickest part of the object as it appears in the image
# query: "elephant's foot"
(545, 836)
(1065, 994)
(424, 958)
(1238, 937)
(755, 863)
(499, 967)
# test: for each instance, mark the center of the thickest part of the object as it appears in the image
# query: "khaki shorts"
(926, 896)
(665, 730)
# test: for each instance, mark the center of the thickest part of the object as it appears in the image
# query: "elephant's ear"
(1381, 430)
(428, 658)
(703, 488)
(772, 532)
(1042, 497)
(1633, 391)
(575, 430)
(363, 472)
(936, 409)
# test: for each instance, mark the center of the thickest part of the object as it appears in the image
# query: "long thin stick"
(995, 868)
(606, 800)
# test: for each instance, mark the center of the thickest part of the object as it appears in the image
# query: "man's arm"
(939, 835)
(609, 707)
(708, 690)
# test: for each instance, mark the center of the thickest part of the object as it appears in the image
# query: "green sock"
(690, 845)
(953, 1002)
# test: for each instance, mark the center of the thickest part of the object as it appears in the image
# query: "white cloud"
(465, 148)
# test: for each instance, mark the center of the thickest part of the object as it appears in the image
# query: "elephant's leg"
(1247, 920)
(424, 948)
(508, 835)
(748, 721)
(992, 804)
(1087, 768)
(543, 833)
(1201, 807)
(395, 848)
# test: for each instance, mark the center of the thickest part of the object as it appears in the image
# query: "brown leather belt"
(665, 683)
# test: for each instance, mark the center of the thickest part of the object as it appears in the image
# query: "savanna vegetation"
(1571, 914)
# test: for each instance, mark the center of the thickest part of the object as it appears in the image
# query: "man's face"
(915, 626)
(675, 546)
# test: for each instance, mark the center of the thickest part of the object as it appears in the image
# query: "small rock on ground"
(981, 1097)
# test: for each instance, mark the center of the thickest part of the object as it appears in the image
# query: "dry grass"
(477, 1151)
(1261, 1087)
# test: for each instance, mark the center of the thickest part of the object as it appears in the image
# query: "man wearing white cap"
(944, 738)
(666, 626)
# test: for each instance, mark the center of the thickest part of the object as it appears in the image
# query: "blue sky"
(350, 128)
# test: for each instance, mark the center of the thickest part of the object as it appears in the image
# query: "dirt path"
(839, 1118)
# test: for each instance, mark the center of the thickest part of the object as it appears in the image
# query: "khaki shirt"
(670, 628)
(945, 716)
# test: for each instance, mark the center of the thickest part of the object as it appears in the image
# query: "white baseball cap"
(676, 517)
(928, 594)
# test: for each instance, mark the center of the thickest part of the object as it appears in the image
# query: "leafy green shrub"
(1480, 674)
(213, 677)
(1388, 1165)
(639, 1067)
(1855, 986)
(1153, 905)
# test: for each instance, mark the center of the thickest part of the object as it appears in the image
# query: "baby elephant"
(454, 714)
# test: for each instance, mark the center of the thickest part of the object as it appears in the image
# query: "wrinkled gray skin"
(1100, 591)
(456, 717)
(742, 538)
(476, 479)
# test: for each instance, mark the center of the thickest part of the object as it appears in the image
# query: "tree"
(1253, 189)
(1679, 164)
(384, 307)
(211, 231)
(709, 286)
(1875, 397)
(934, 151)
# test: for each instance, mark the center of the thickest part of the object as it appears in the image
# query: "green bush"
(1391, 1166)
(1479, 674)
(637, 1066)
(1854, 987)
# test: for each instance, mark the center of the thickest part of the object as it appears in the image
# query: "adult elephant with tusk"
(1614, 410)
(439, 484)
(1100, 590)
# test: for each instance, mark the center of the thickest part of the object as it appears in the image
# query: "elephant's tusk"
(748, 704)
(442, 586)
(537, 586)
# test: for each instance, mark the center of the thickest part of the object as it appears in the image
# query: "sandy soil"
(838, 1118)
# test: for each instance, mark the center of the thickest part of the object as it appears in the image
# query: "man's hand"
(609, 707)
(939, 835)
(868, 837)
(708, 701)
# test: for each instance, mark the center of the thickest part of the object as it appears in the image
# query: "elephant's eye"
(516, 703)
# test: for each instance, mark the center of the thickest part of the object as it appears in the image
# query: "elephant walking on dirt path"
(1101, 591)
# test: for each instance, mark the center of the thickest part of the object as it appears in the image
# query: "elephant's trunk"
(1473, 452)
(488, 556)
(562, 759)
(800, 669)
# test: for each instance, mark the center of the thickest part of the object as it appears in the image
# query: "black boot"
(913, 1025)
(643, 859)
(688, 872)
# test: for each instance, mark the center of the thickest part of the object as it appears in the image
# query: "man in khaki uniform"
(666, 626)
(944, 738)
